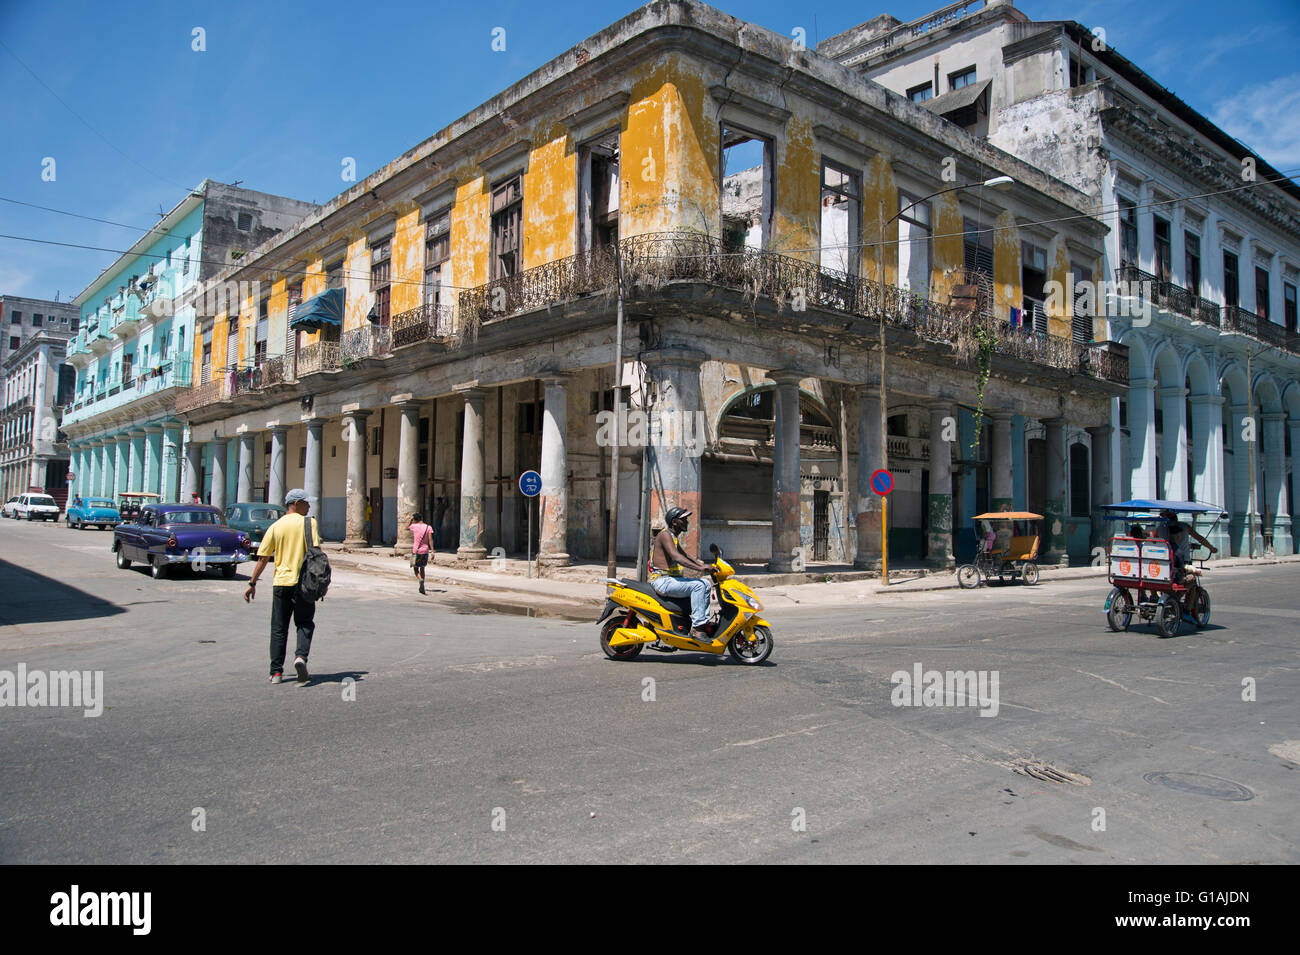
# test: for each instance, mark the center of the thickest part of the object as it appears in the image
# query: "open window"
(507, 227)
(1082, 306)
(1033, 283)
(598, 192)
(841, 217)
(437, 250)
(748, 188)
(914, 244)
(381, 278)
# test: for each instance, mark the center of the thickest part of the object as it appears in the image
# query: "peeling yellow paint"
(550, 204)
(1006, 266)
(949, 254)
(408, 260)
(796, 225)
(879, 203)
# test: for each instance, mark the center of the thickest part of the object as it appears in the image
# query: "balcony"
(174, 374)
(424, 324)
(652, 260)
(313, 359)
(1170, 297)
(1248, 323)
(368, 341)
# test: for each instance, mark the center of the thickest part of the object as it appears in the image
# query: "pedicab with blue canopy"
(1143, 573)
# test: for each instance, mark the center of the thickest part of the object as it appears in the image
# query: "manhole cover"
(1037, 769)
(1199, 784)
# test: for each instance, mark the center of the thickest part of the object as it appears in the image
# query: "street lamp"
(997, 182)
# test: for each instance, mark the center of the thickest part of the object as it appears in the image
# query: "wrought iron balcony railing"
(429, 322)
(1170, 296)
(321, 356)
(650, 261)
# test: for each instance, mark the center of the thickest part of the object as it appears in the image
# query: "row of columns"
(136, 460)
(1207, 455)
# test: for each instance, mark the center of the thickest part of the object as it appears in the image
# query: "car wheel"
(123, 563)
(157, 569)
(228, 571)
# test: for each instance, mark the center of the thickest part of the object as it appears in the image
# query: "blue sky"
(285, 90)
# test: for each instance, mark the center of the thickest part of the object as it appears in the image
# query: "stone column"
(193, 464)
(869, 461)
(408, 474)
(786, 511)
(472, 537)
(276, 491)
(313, 478)
(1102, 492)
(108, 462)
(135, 465)
(1294, 426)
(76, 465)
(90, 468)
(939, 505)
(1173, 405)
(553, 528)
(123, 464)
(1001, 479)
(171, 439)
(1241, 507)
(354, 433)
(1054, 548)
(1273, 495)
(1142, 437)
(219, 452)
(1207, 466)
(247, 454)
(675, 465)
(153, 460)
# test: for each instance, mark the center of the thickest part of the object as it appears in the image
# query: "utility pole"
(611, 556)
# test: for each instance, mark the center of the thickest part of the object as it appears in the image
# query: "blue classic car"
(98, 511)
(169, 534)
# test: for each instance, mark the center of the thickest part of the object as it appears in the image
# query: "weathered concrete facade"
(1202, 257)
(480, 276)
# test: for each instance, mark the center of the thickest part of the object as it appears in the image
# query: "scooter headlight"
(753, 601)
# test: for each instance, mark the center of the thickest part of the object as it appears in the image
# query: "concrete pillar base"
(547, 562)
(471, 553)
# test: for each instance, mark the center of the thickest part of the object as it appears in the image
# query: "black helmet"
(674, 515)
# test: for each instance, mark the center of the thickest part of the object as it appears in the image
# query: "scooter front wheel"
(617, 653)
(751, 653)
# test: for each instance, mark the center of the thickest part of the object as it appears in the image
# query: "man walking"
(285, 543)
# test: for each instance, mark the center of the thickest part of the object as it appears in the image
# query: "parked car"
(36, 507)
(7, 509)
(93, 510)
(255, 519)
(129, 503)
(166, 535)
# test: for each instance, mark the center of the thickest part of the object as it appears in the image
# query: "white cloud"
(1266, 117)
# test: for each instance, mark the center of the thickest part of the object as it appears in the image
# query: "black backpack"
(314, 578)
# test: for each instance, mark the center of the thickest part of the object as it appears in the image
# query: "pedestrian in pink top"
(421, 547)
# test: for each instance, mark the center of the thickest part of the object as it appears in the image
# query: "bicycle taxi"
(1141, 571)
(1007, 555)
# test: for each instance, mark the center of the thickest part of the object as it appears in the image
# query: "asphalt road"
(490, 737)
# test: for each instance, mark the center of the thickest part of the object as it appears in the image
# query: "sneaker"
(300, 665)
(698, 633)
(276, 677)
(422, 586)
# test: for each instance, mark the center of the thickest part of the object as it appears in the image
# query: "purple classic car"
(168, 534)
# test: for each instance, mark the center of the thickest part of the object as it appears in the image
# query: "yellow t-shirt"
(285, 542)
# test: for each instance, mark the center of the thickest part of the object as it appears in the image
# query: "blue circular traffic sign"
(530, 483)
(882, 482)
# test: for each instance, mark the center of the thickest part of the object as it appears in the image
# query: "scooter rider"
(667, 561)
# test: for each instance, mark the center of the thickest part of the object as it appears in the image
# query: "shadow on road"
(28, 597)
(355, 675)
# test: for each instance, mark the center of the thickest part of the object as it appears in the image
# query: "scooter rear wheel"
(617, 653)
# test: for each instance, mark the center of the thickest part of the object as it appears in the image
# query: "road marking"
(1120, 685)
(768, 739)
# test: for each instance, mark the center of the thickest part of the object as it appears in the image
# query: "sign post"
(530, 485)
(882, 482)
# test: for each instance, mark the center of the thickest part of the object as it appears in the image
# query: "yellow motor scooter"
(635, 615)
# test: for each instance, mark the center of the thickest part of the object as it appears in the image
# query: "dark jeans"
(286, 604)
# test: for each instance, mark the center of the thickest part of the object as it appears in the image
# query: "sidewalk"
(583, 584)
